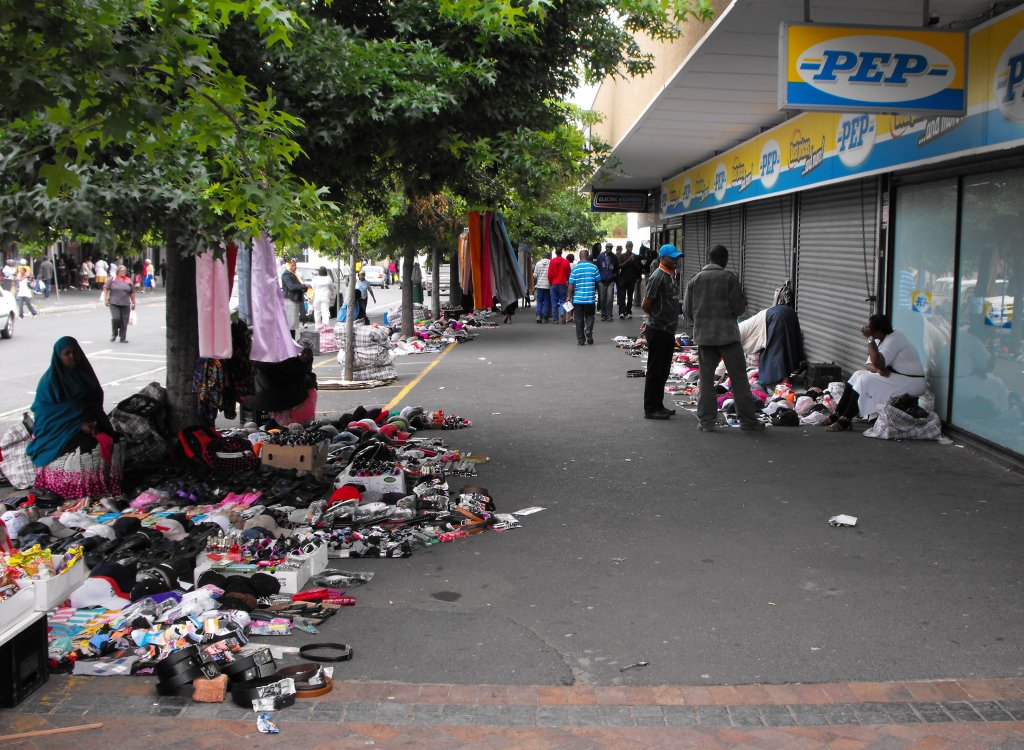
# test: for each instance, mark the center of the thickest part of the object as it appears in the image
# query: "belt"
(183, 666)
(245, 662)
(310, 680)
(343, 652)
(280, 691)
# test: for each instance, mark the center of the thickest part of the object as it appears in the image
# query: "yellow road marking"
(404, 392)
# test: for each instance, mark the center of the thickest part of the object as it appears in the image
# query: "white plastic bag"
(133, 317)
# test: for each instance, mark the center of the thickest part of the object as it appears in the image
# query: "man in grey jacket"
(714, 300)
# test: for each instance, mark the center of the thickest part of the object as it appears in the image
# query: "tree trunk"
(408, 258)
(350, 318)
(435, 281)
(183, 332)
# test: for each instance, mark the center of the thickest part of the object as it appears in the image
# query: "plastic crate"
(23, 662)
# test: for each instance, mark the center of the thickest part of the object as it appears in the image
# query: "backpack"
(784, 294)
(195, 443)
(606, 267)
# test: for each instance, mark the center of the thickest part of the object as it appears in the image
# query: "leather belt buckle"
(257, 661)
(270, 693)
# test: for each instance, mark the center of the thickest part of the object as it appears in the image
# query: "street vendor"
(73, 443)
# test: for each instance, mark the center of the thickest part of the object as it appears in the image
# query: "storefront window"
(988, 382)
(923, 282)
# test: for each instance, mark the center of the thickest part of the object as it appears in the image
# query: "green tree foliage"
(564, 221)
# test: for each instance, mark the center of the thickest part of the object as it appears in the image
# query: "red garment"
(558, 270)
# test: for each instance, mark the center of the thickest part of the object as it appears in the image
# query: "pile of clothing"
(372, 352)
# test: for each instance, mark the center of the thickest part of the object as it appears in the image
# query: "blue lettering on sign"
(853, 132)
(1015, 77)
(891, 69)
(770, 162)
(719, 181)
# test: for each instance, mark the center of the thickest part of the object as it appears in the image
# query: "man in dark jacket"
(714, 300)
(629, 272)
(608, 268)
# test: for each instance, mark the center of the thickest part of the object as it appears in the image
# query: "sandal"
(839, 425)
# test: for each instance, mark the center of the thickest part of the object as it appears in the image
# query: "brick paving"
(927, 715)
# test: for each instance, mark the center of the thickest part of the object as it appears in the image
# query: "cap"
(669, 251)
(267, 522)
(76, 520)
(346, 492)
(171, 529)
(101, 530)
(15, 520)
(107, 586)
(57, 529)
(126, 525)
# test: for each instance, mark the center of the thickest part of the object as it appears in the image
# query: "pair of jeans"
(736, 366)
(660, 346)
(605, 295)
(584, 315)
(22, 303)
(558, 294)
(543, 304)
(626, 298)
(119, 315)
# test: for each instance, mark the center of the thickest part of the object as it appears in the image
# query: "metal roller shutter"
(695, 244)
(835, 269)
(727, 229)
(768, 251)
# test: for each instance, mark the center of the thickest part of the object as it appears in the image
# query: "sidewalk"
(708, 556)
(76, 300)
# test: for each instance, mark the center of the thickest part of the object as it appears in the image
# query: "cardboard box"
(14, 608)
(374, 488)
(300, 457)
(52, 591)
(291, 580)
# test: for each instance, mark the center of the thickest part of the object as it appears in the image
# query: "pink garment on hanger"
(271, 339)
(213, 313)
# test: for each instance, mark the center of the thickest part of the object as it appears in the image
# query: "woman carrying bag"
(119, 296)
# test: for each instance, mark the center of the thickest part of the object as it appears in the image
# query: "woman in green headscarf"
(73, 441)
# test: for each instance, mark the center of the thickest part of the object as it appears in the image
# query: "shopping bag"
(133, 317)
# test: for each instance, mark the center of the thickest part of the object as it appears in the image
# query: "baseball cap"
(57, 529)
(107, 586)
(346, 492)
(76, 520)
(668, 251)
(101, 530)
(15, 520)
(171, 529)
(266, 521)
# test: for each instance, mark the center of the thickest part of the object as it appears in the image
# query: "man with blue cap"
(661, 303)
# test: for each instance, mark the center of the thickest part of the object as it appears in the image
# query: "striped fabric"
(584, 278)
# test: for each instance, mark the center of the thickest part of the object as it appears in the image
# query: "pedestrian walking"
(62, 273)
(294, 296)
(583, 283)
(47, 274)
(324, 293)
(714, 300)
(88, 275)
(629, 273)
(101, 269)
(606, 289)
(163, 273)
(8, 274)
(364, 291)
(558, 280)
(119, 296)
(661, 303)
(24, 283)
(542, 289)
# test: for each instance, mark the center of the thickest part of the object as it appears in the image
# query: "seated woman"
(286, 390)
(894, 369)
(73, 441)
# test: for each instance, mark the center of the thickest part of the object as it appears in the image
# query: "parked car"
(375, 275)
(8, 307)
(444, 279)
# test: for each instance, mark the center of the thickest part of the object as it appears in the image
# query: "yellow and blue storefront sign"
(818, 148)
(871, 69)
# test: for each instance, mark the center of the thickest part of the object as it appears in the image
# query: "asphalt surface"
(709, 556)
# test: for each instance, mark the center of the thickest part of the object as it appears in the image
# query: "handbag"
(133, 318)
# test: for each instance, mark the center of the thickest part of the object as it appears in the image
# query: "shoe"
(124, 341)
(706, 426)
(658, 414)
(590, 339)
(629, 316)
(580, 343)
(755, 427)
(539, 321)
(621, 316)
(671, 411)
(114, 337)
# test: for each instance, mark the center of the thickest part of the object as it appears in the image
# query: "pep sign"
(842, 68)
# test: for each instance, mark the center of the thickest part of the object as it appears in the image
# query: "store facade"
(912, 215)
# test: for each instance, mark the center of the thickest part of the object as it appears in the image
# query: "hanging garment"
(486, 273)
(213, 315)
(271, 339)
(480, 302)
(508, 278)
(244, 281)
